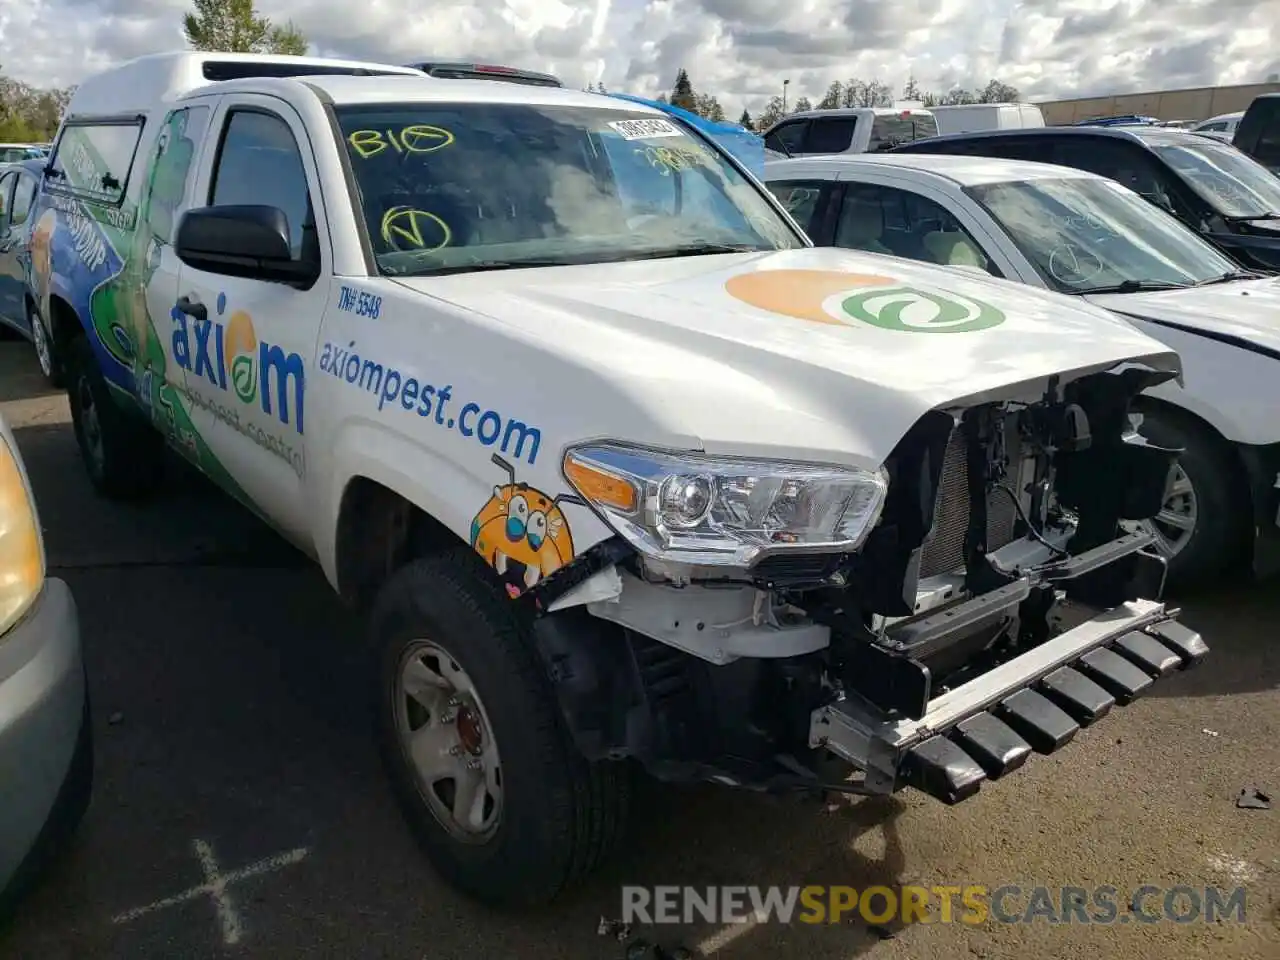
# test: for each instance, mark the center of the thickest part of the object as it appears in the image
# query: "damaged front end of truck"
(984, 603)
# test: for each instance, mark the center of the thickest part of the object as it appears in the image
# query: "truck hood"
(1247, 310)
(832, 336)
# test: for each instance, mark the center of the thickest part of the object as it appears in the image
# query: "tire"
(124, 455)
(46, 351)
(1222, 506)
(560, 816)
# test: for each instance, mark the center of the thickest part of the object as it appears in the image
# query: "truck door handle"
(192, 308)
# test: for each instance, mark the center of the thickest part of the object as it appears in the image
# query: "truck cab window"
(830, 135)
(94, 160)
(259, 163)
(788, 137)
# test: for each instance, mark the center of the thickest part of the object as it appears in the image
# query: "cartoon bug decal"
(522, 533)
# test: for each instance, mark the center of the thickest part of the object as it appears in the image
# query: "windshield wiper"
(1245, 218)
(1228, 277)
(697, 250)
(686, 250)
(1137, 286)
(484, 265)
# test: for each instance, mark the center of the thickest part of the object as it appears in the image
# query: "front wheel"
(1202, 525)
(486, 775)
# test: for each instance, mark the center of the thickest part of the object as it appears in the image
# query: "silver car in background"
(46, 751)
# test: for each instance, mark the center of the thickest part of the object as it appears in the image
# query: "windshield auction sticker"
(829, 296)
(647, 129)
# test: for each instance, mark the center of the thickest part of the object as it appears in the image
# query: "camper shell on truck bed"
(621, 470)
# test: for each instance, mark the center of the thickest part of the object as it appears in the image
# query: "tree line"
(849, 93)
(29, 114)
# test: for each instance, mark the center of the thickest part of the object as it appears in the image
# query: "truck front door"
(247, 345)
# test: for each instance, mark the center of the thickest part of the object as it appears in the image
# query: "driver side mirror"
(249, 241)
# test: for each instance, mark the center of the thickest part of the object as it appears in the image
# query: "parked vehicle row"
(17, 152)
(620, 468)
(1255, 131)
(1082, 235)
(1212, 187)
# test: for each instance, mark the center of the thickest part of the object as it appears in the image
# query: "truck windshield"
(447, 188)
(1089, 235)
(1233, 184)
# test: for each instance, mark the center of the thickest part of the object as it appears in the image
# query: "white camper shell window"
(94, 158)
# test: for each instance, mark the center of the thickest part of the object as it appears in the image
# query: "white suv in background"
(1221, 127)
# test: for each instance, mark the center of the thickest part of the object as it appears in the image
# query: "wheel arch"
(1229, 451)
(393, 501)
(378, 531)
(64, 323)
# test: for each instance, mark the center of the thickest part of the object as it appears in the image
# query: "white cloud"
(739, 50)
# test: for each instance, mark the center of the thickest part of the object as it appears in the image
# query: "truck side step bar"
(1036, 702)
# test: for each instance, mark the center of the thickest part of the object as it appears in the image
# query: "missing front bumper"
(1036, 702)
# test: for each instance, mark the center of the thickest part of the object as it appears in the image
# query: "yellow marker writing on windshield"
(666, 159)
(402, 229)
(415, 138)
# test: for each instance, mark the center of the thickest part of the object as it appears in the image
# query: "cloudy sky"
(740, 50)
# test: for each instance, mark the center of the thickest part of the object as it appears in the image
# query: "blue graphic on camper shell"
(75, 256)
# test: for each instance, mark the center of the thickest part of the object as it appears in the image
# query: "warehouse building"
(1195, 103)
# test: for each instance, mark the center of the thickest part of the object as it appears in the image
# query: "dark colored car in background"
(1258, 134)
(1217, 190)
(19, 183)
(484, 71)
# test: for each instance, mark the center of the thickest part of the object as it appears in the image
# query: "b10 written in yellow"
(974, 905)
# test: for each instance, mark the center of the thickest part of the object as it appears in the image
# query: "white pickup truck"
(623, 470)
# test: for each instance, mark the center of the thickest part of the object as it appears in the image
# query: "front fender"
(1233, 389)
(435, 485)
(453, 493)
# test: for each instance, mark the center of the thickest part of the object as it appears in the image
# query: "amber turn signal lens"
(599, 487)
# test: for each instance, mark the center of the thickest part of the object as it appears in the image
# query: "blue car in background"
(19, 184)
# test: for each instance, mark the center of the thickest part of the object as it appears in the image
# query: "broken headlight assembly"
(725, 511)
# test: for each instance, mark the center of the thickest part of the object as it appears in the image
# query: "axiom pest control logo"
(230, 357)
(827, 296)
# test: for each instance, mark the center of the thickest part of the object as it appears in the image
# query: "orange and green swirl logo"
(828, 296)
(240, 346)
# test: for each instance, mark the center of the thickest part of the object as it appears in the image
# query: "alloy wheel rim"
(446, 738)
(1175, 524)
(41, 343)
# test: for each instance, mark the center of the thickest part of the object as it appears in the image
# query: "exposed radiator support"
(943, 550)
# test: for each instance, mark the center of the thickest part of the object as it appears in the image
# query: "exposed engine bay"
(938, 656)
